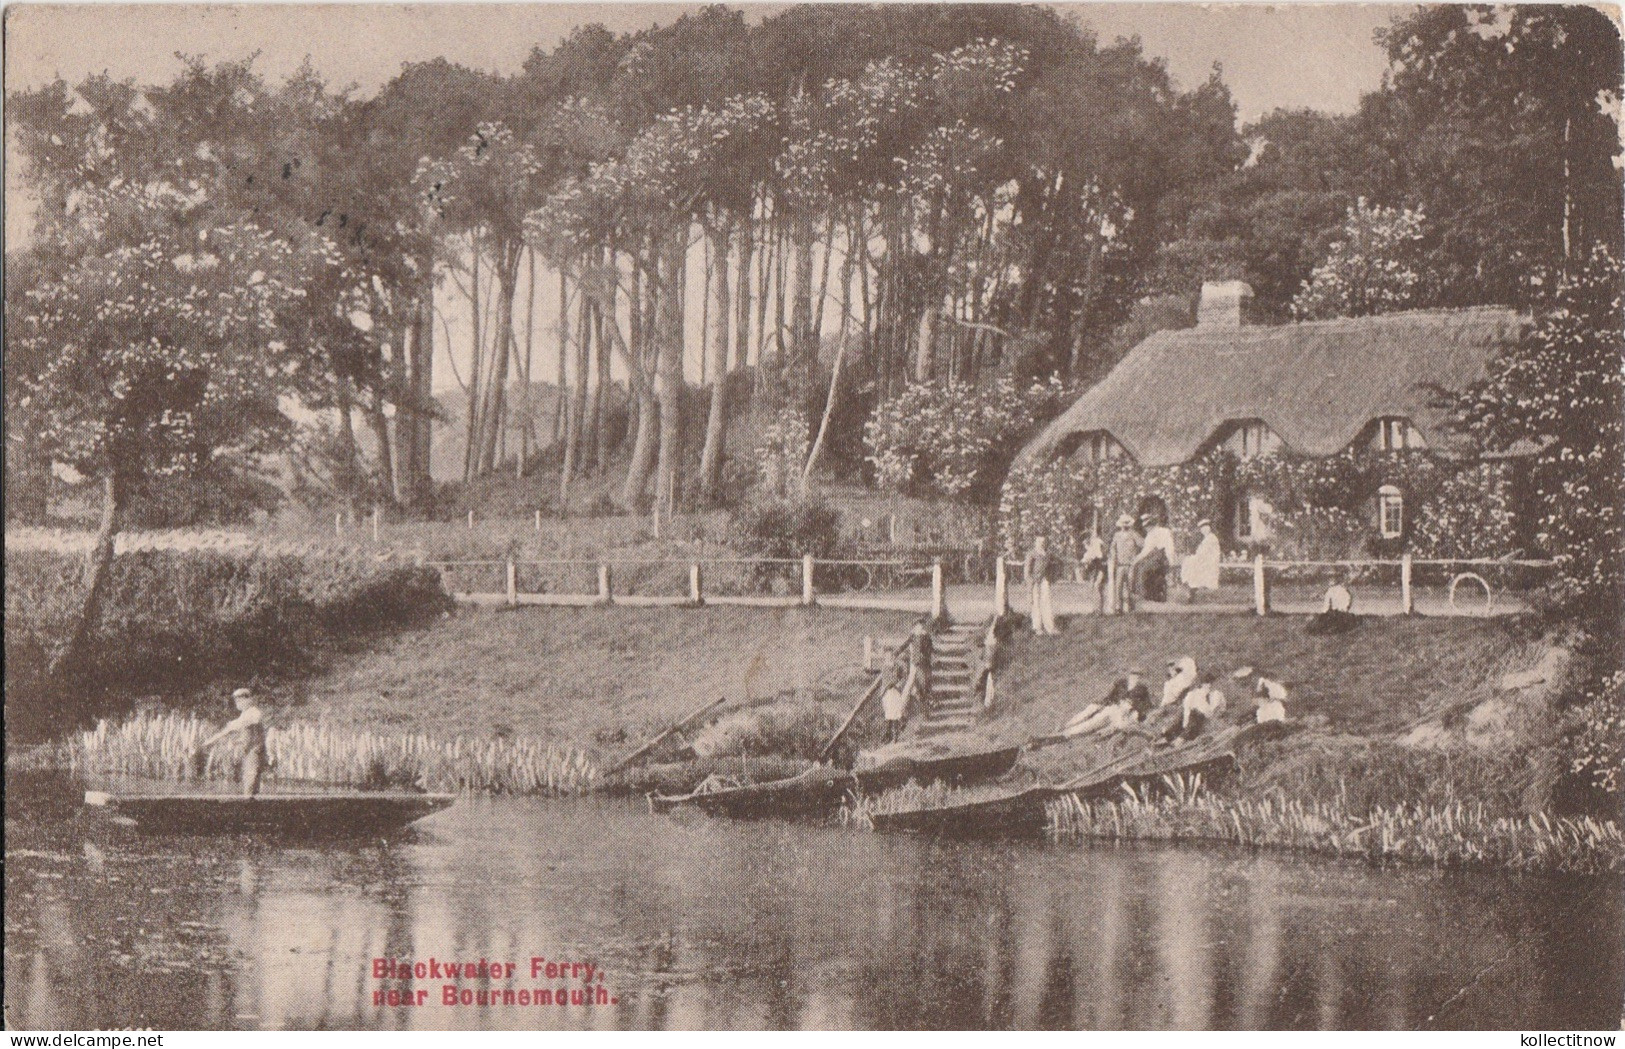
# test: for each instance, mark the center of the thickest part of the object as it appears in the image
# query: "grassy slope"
(1377, 678)
(584, 675)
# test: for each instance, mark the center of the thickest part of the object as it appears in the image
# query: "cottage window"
(1092, 447)
(1390, 512)
(1396, 434)
(1251, 439)
(1251, 520)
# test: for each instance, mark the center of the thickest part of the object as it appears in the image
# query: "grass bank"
(174, 622)
(604, 679)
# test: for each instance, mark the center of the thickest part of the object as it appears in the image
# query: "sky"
(1318, 55)
(1293, 55)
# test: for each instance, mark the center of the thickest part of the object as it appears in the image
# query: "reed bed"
(163, 747)
(1445, 835)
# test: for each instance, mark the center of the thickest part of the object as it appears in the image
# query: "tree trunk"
(98, 567)
(384, 470)
(502, 349)
(643, 450)
(472, 436)
(606, 388)
(422, 479)
(716, 422)
(577, 412)
(928, 338)
(801, 299)
(670, 344)
(835, 370)
(562, 398)
(745, 246)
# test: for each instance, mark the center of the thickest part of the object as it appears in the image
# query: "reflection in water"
(701, 923)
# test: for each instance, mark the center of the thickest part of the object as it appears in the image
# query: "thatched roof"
(1317, 385)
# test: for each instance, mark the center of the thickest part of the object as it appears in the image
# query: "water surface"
(703, 923)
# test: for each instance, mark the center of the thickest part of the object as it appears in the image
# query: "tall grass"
(1447, 835)
(162, 747)
(915, 797)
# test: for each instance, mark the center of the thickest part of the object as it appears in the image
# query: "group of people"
(1190, 701)
(1136, 562)
(908, 680)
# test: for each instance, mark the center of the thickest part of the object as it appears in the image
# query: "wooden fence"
(1405, 586)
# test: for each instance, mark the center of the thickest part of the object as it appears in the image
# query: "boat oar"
(678, 727)
(873, 690)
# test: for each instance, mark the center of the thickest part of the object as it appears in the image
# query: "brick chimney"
(1225, 304)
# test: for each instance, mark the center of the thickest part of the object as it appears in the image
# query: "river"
(692, 922)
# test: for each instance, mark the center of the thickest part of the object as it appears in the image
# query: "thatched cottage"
(1328, 436)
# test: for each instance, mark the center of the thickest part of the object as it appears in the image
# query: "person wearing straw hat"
(1124, 548)
(1200, 571)
(250, 721)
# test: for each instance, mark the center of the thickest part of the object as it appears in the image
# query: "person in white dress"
(1200, 571)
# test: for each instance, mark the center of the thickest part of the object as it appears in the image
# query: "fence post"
(605, 594)
(538, 521)
(376, 513)
(868, 653)
(1109, 606)
(338, 523)
(471, 520)
(513, 584)
(939, 607)
(807, 594)
(1001, 587)
(696, 590)
(1406, 603)
(1261, 591)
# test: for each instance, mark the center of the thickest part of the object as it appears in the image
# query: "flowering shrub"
(1599, 752)
(1562, 390)
(1324, 507)
(1374, 268)
(1469, 516)
(950, 438)
(1318, 533)
(781, 454)
(1060, 498)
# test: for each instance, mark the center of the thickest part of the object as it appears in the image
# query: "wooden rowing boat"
(300, 815)
(1022, 811)
(820, 790)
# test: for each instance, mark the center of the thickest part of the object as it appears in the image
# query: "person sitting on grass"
(1198, 706)
(250, 721)
(1271, 701)
(1124, 705)
(1336, 613)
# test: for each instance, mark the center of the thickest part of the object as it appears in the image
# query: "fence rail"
(1405, 585)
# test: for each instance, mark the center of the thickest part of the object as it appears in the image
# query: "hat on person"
(1241, 672)
(1204, 523)
(1136, 670)
(1125, 521)
(1147, 518)
(243, 693)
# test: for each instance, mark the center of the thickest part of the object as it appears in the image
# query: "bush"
(797, 727)
(788, 528)
(954, 439)
(1318, 533)
(1599, 751)
(175, 620)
